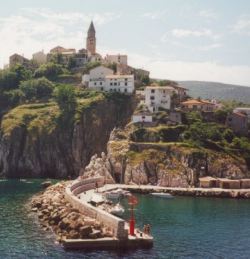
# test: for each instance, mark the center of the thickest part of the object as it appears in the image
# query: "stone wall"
(116, 224)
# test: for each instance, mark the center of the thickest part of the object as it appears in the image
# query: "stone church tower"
(91, 40)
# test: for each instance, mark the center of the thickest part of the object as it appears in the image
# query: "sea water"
(182, 227)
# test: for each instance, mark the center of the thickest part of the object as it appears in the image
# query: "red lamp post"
(132, 201)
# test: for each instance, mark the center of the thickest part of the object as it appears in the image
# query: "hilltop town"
(73, 100)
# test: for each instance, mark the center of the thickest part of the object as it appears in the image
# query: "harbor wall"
(116, 224)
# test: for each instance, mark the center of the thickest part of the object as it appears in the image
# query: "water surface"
(182, 227)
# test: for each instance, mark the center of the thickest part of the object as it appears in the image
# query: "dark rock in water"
(46, 184)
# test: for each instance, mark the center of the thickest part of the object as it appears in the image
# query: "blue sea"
(182, 227)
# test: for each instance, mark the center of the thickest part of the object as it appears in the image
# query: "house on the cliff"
(245, 110)
(142, 117)
(157, 97)
(198, 105)
(238, 122)
(103, 79)
(18, 59)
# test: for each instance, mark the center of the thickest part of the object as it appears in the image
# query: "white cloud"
(36, 29)
(242, 26)
(200, 71)
(155, 15)
(208, 14)
(183, 33)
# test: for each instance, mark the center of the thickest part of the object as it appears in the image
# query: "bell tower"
(91, 40)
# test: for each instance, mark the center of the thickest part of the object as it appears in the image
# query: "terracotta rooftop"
(195, 101)
(240, 114)
(160, 87)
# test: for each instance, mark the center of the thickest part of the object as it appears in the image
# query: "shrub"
(37, 88)
(50, 70)
(65, 97)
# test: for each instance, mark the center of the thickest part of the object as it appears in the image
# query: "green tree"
(50, 70)
(221, 115)
(228, 135)
(65, 96)
(71, 63)
(22, 73)
(37, 88)
(8, 80)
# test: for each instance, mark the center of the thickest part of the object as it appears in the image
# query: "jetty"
(78, 194)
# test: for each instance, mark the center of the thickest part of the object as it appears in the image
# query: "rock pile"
(55, 213)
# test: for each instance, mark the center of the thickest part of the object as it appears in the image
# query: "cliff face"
(49, 150)
(167, 164)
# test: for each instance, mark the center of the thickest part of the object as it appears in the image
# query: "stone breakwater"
(194, 192)
(57, 214)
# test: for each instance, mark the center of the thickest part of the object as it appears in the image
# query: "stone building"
(245, 110)
(117, 59)
(63, 53)
(238, 122)
(18, 59)
(40, 57)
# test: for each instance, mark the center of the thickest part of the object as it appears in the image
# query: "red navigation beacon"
(132, 201)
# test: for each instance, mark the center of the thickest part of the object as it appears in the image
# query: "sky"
(173, 39)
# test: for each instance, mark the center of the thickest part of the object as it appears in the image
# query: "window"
(111, 83)
(152, 91)
(100, 83)
(125, 90)
(115, 83)
(101, 88)
(152, 97)
(126, 83)
(95, 83)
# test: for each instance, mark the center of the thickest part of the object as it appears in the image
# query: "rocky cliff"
(33, 144)
(166, 164)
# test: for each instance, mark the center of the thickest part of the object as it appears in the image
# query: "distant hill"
(217, 90)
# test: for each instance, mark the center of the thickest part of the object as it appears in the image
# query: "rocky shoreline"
(196, 192)
(56, 214)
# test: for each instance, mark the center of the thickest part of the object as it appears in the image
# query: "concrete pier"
(78, 194)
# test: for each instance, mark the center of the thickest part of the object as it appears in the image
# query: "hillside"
(218, 90)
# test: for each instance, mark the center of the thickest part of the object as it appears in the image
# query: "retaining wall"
(116, 224)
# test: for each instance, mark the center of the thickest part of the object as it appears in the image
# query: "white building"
(120, 83)
(158, 97)
(103, 78)
(40, 57)
(142, 117)
(118, 59)
(245, 110)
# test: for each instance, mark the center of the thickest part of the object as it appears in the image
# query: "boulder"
(85, 231)
(95, 234)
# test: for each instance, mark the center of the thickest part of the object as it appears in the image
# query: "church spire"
(91, 28)
(91, 40)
